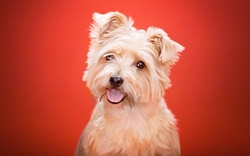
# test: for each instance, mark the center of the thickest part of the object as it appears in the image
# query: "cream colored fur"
(141, 124)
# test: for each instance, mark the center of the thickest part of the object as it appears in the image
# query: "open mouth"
(115, 96)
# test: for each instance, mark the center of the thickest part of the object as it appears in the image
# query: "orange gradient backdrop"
(45, 105)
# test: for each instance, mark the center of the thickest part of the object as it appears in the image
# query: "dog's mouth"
(115, 96)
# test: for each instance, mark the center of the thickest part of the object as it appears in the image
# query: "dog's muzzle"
(115, 95)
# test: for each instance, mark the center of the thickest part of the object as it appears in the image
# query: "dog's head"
(127, 63)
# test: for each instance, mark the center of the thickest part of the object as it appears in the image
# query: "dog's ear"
(105, 23)
(166, 48)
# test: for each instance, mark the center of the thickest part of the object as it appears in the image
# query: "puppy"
(128, 71)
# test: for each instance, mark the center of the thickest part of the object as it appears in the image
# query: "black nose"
(115, 81)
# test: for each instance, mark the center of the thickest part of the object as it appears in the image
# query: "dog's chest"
(125, 132)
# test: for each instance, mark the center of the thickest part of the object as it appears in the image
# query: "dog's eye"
(140, 64)
(109, 57)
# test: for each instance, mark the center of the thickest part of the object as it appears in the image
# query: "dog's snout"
(115, 81)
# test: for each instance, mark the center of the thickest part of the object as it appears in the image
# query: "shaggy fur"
(128, 71)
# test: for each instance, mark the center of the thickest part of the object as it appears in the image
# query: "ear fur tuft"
(167, 48)
(106, 23)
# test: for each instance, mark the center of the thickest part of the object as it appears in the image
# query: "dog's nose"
(115, 81)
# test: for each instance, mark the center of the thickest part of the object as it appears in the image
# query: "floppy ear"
(166, 48)
(105, 23)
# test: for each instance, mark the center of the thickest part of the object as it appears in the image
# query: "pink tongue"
(114, 95)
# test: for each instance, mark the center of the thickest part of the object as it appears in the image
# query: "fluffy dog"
(128, 71)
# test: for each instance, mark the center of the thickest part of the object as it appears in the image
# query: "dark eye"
(109, 57)
(140, 64)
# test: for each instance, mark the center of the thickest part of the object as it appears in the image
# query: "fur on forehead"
(114, 26)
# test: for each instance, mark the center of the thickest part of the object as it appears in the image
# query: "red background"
(45, 105)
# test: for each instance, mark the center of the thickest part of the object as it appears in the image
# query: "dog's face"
(127, 63)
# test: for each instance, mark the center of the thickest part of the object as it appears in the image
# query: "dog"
(128, 71)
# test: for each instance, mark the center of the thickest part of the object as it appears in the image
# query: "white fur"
(141, 124)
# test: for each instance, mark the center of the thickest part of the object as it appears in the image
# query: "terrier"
(128, 71)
